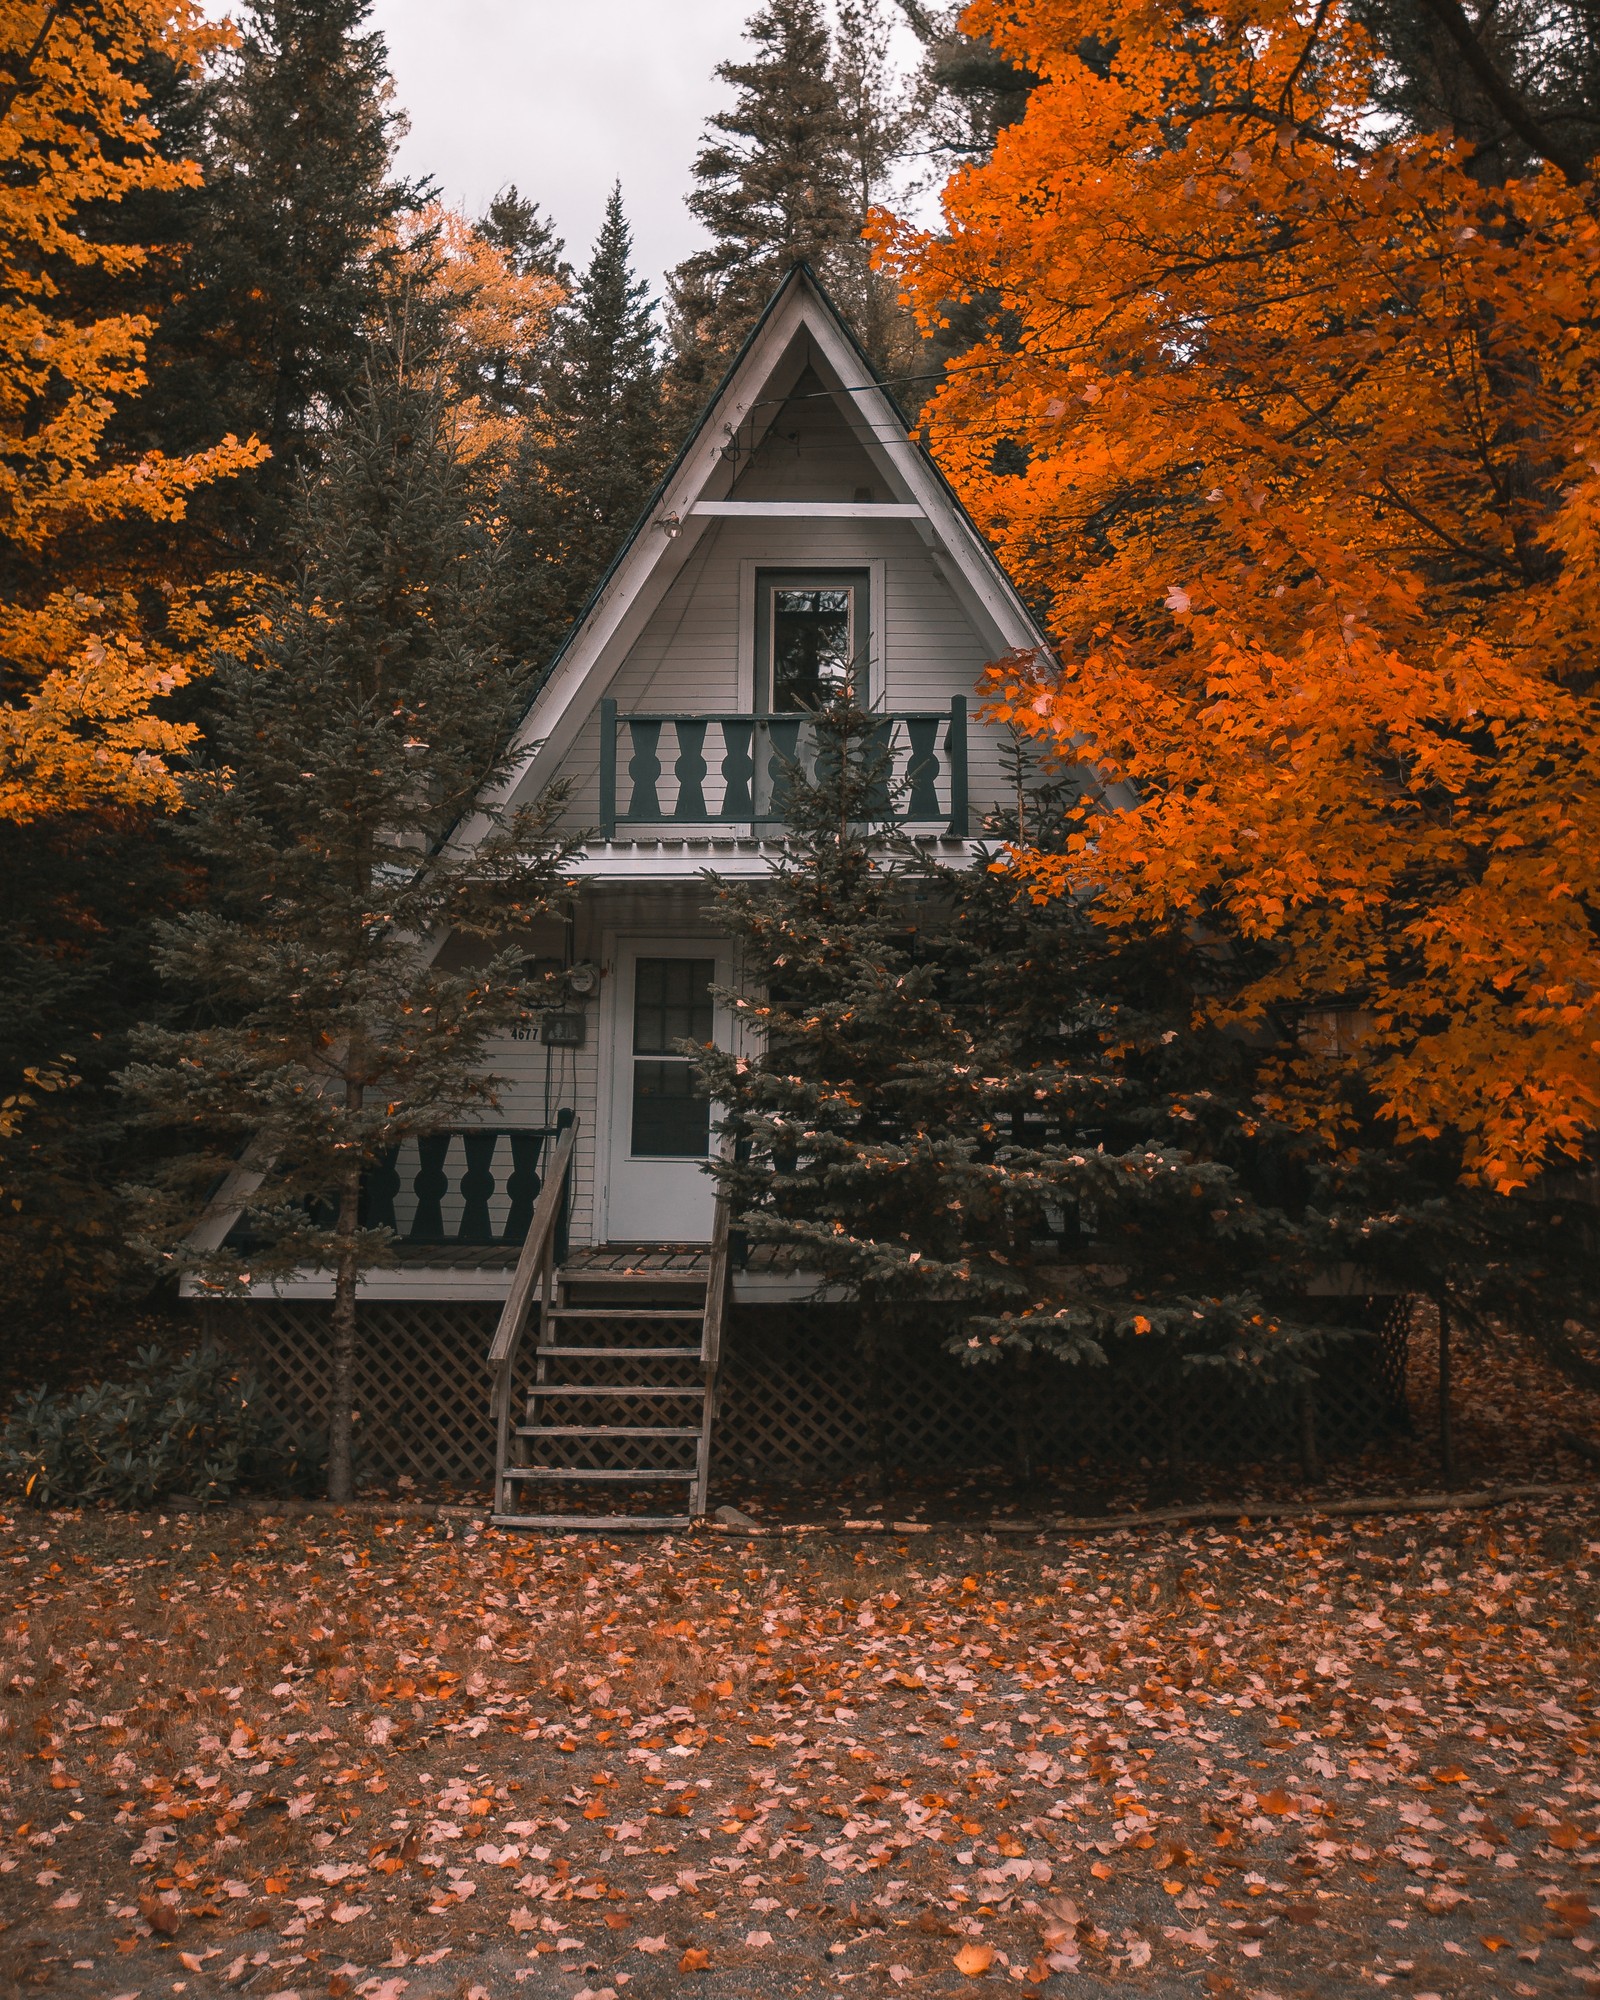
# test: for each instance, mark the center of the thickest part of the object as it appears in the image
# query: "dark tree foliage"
(1520, 83)
(525, 235)
(880, 119)
(281, 261)
(593, 447)
(772, 187)
(77, 893)
(1525, 1264)
(509, 384)
(967, 93)
(344, 980)
(962, 1110)
(970, 92)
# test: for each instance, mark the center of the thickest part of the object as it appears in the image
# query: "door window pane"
(671, 1116)
(813, 644)
(671, 1004)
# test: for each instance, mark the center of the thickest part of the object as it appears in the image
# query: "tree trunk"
(1022, 1419)
(1447, 1443)
(872, 1387)
(342, 1392)
(1310, 1450)
(1176, 1384)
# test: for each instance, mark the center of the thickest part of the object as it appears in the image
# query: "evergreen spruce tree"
(966, 93)
(324, 1025)
(969, 91)
(880, 118)
(1523, 1266)
(1519, 84)
(525, 236)
(281, 273)
(772, 186)
(507, 383)
(593, 447)
(957, 1109)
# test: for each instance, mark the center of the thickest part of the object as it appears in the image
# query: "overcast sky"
(563, 97)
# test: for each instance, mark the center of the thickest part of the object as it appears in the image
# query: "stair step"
(632, 1278)
(599, 1472)
(610, 1389)
(686, 1315)
(608, 1430)
(618, 1353)
(589, 1523)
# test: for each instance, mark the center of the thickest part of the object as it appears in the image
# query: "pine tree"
(969, 91)
(281, 275)
(966, 93)
(593, 446)
(880, 119)
(968, 1117)
(77, 894)
(772, 186)
(527, 238)
(506, 381)
(324, 1024)
(1519, 84)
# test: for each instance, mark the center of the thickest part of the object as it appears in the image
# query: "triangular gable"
(800, 331)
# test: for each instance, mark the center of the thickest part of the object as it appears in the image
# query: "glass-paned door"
(658, 1134)
(671, 1004)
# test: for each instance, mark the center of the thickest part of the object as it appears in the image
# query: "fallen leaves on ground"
(382, 1754)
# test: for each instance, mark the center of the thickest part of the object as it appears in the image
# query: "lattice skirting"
(422, 1381)
(793, 1404)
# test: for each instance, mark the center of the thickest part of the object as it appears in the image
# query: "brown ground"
(404, 1758)
(327, 1756)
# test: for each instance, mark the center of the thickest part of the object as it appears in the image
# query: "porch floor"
(481, 1272)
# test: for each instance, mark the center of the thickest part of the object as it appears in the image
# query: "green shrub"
(188, 1424)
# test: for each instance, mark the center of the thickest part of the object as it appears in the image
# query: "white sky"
(563, 97)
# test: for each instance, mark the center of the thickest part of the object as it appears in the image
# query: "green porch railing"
(677, 772)
(476, 1184)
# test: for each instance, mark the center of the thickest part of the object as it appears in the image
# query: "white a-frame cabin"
(800, 529)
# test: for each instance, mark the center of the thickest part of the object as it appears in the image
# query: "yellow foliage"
(489, 309)
(80, 719)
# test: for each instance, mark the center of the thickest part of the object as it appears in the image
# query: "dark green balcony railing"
(677, 772)
(475, 1185)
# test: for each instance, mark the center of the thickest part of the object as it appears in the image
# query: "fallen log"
(1247, 1513)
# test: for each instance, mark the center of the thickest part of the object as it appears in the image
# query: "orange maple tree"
(494, 320)
(86, 666)
(1293, 429)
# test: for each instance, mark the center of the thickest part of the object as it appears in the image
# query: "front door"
(659, 1133)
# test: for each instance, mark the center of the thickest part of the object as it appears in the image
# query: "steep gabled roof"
(801, 327)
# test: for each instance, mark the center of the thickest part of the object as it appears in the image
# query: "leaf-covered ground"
(332, 1756)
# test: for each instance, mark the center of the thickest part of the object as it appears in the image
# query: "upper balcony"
(663, 773)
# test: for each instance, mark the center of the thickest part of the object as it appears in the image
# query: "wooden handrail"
(546, 1210)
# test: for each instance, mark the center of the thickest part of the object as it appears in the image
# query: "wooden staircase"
(617, 1391)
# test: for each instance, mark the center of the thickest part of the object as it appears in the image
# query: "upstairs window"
(812, 633)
